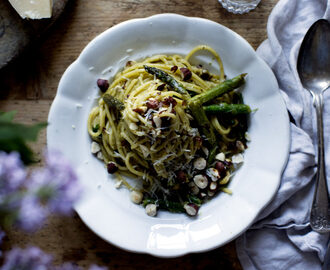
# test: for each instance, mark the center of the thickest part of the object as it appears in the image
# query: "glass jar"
(239, 6)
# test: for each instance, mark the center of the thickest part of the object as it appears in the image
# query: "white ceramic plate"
(108, 211)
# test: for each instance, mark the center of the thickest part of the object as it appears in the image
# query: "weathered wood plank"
(29, 85)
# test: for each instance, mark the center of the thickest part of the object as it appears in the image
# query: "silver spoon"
(314, 72)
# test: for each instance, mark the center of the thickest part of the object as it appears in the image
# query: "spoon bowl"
(314, 71)
(314, 57)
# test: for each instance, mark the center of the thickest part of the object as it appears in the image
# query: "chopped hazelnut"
(200, 181)
(185, 74)
(161, 87)
(200, 163)
(139, 110)
(221, 157)
(220, 166)
(112, 167)
(151, 209)
(240, 146)
(103, 85)
(170, 100)
(213, 174)
(213, 186)
(238, 158)
(152, 103)
(194, 189)
(174, 69)
(247, 136)
(136, 196)
(129, 63)
(205, 75)
(191, 209)
(95, 147)
(99, 155)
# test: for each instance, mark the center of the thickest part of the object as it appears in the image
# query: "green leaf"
(18, 145)
(25, 132)
(14, 136)
(7, 116)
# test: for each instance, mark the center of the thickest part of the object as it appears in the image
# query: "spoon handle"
(320, 214)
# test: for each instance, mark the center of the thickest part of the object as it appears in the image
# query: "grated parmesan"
(162, 159)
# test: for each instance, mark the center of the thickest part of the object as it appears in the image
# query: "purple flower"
(12, 174)
(2, 235)
(12, 179)
(95, 267)
(31, 258)
(31, 213)
(27, 202)
(68, 266)
(71, 266)
(56, 184)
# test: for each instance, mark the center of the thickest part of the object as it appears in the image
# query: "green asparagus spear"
(195, 105)
(166, 78)
(203, 122)
(227, 108)
(112, 102)
(218, 90)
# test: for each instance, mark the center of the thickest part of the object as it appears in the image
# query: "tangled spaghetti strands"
(133, 138)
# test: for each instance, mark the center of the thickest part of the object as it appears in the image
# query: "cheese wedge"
(33, 9)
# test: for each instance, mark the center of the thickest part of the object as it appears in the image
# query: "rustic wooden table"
(29, 85)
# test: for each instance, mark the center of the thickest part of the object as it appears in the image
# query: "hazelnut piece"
(200, 163)
(136, 196)
(151, 209)
(200, 181)
(152, 103)
(174, 69)
(112, 167)
(185, 74)
(191, 209)
(103, 85)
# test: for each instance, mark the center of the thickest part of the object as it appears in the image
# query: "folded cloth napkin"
(281, 238)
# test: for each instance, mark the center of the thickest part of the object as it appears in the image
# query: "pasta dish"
(176, 128)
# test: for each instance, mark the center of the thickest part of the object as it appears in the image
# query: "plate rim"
(279, 174)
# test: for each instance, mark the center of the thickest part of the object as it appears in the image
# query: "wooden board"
(29, 85)
(17, 33)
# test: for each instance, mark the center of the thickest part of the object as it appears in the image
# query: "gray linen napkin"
(281, 237)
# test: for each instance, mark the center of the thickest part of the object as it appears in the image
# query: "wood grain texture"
(29, 85)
